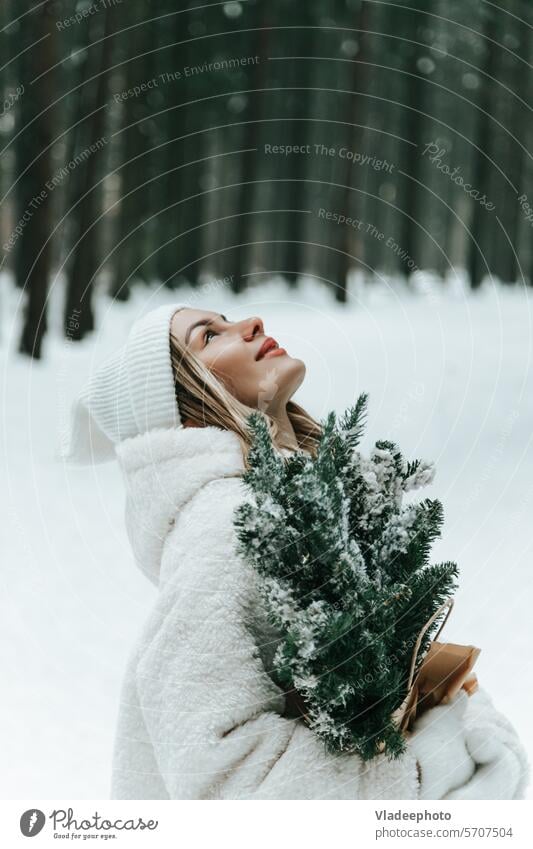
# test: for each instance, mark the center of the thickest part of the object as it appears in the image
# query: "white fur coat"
(199, 716)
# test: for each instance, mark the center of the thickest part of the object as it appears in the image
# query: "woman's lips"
(275, 352)
(269, 348)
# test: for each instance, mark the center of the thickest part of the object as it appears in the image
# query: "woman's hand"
(468, 750)
(438, 742)
(502, 765)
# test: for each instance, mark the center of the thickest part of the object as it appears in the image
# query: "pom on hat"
(130, 393)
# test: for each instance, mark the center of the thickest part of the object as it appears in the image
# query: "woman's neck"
(286, 434)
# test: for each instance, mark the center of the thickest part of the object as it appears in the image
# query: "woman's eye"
(208, 335)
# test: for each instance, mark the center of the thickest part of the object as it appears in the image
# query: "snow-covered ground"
(450, 378)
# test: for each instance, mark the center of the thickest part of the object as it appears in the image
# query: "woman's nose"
(251, 327)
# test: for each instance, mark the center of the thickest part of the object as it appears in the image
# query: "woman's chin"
(300, 365)
(293, 371)
(281, 373)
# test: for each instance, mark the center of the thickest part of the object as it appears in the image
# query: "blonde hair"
(204, 399)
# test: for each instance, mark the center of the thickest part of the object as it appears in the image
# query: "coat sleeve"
(469, 750)
(213, 713)
(502, 765)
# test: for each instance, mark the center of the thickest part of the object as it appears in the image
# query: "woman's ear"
(190, 423)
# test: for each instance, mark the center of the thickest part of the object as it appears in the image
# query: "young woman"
(200, 716)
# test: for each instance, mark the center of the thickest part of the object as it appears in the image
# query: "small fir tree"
(344, 572)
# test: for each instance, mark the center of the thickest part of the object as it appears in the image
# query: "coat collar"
(179, 444)
(162, 470)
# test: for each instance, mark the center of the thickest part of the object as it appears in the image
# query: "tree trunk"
(34, 167)
(85, 259)
(250, 159)
(477, 262)
(354, 137)
(132, 236)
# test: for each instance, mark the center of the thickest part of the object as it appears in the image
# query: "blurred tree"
(297, 38)
(251, 194)
(227, 201)
(481, 231)
(177, 163)
(509, 137)
(414, 120)
(36, 52)
(173, 181)
(137, 59)
(86, 183)
(354, 46)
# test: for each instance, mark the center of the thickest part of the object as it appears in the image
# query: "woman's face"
(253, 367)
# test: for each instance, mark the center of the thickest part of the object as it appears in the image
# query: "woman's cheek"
(230, 371)
(246, 384)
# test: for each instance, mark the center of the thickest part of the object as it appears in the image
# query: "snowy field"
(450, 378)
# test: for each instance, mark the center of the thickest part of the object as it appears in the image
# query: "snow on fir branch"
(345, 574)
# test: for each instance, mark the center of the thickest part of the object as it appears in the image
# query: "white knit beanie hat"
(132, 392)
